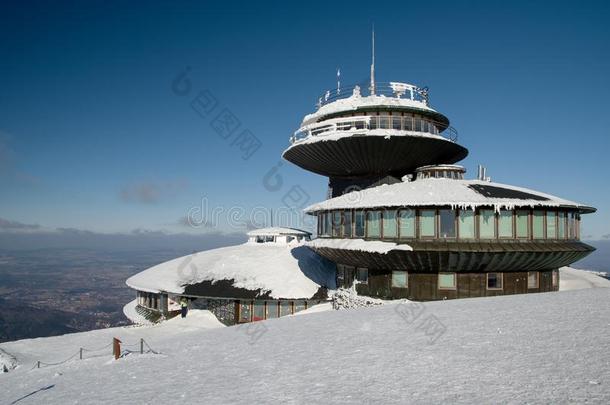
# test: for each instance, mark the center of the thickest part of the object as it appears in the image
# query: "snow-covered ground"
(536, 348)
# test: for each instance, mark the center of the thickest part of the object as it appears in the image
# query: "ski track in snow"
(537, 348)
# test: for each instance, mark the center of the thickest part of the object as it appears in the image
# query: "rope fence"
(119, 349)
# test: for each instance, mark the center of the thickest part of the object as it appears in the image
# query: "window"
(336, 223)
(389, 224)
(396, 122)
(466, 223)
(487, 228)
(373, 224)
(446, 281)
(561, 225)
(417, 122)
(571, 226)
(555, 278)
(447, 223)
(362, 275)
(400, 279)
(494, 281)
(532, 279)
(347, 224)
(407, 123)
(505, 224)
(521, 218)
(359, 224)
(551, 225)
(426, 224)
(285, 308)
(244, 311)
(271, 309)
(328, 221)
(299, 306)
(406, 223)
(258, 314)
(538, 224)
(384, 121)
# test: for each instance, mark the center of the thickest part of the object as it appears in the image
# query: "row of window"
(250, 311)
(148, 300)
(388, 120)
(495, 281)
(449, 223)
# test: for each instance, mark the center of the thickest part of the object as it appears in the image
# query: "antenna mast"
(372, 88)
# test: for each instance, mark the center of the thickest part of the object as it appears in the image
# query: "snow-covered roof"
(355, 102)
(361, 245)
(284, 271)
(385, 133)
(440, 191)
(276, 231)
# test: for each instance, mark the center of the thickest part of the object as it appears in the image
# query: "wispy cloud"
(8, 225)
(151, 192)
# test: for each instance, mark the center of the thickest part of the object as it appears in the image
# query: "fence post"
(116, 348)
(38, 364)
(81, 353)
(141, 345)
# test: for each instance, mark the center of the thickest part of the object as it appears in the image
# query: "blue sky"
(93, 137)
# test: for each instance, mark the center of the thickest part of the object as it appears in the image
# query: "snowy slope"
(537, 348)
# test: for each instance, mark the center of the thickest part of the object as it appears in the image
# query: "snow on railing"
(389, 89)
(360, 123)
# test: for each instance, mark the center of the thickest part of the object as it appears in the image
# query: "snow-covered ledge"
(358, 244)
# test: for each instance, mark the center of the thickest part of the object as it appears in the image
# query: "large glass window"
(538, 225)
(505, 224)
(521, 218)
(494, 281)
(427, 225)
(347, 224)
(336, 223)
(446, 281)
(396, 122)
(532, 279)
(571, 225)
(467, 224)
(244, 311)
(400, 279)
(447, 223)
(272, 309)
(373, 220)
(406, 223)
(285, 308)
(384, 121)
(359, 224)
(407, 123)
(259, 311)
(487, 228)
(389, 224)
(561, 225)
(551, 225)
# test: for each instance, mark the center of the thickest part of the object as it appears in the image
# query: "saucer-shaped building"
(402, 221)
(273, 274)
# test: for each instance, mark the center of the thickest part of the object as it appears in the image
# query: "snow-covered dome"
(279, 270)
(277, 231)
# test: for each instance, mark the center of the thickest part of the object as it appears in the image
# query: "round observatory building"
(402, 220)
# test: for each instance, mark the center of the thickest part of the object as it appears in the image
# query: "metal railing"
(404, 124)
(388, 89)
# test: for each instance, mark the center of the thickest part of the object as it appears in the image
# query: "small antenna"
(271, 210)
(338, 81)
(372, 88)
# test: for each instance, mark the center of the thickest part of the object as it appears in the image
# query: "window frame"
(537, 280)
(438, 281)
(501, 281)
(401, 272)
(455, 225)
(419, 225)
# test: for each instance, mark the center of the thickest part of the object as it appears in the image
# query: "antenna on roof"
(271, 211)
(372, 88)
(338, 81)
